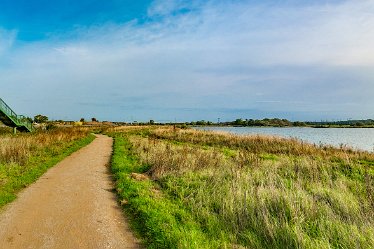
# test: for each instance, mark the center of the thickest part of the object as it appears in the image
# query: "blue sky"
(186, 60)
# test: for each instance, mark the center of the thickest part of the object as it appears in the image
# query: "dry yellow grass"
(261, 144)
(17, 149)
(25, 157)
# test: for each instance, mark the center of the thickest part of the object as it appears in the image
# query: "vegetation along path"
(71, 206)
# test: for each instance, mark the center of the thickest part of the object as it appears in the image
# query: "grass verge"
(17, 172)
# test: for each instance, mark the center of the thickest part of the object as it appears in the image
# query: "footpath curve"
(71, 206)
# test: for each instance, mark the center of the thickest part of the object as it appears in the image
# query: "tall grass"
(5, 130)
(264, 192)
(17, 149)
(162, 222)
(261, 144)
(24, 157)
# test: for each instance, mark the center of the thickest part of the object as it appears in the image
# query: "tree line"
(277, 122)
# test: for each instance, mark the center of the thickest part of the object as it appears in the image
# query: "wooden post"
(14, 130)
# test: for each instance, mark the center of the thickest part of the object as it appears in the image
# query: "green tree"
(201, 122)
(40, 118)
(239, 121)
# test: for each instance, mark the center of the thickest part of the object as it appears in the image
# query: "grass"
(209, 190)
(25, 157)
(162, 222)
(260, 144)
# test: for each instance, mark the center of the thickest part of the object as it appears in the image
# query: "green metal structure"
(10, 118)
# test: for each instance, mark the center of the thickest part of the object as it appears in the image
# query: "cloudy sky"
(167, 60)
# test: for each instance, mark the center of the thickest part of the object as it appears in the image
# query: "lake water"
(358, 138)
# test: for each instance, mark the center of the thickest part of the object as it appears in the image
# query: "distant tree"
(94, 120)
(239, 121)
(299, 123)
(40, 118)
(82, 120)
(151, 122)
(251, 122)
(201, 122)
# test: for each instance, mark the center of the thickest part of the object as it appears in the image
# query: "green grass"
(16, 175)
(220, 191)
(161, 221)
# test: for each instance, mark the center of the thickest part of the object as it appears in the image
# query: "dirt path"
(71, 206)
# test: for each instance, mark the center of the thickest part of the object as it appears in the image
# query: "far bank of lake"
(362, 139)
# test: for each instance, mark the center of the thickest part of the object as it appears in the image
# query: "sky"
(175, 60)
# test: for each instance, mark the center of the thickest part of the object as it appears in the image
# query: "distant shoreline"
(308, 126)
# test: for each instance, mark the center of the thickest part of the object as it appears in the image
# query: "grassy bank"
(25, 157)
(205, 190)
(162, 222)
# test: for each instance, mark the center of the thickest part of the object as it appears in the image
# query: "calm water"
(362, 138)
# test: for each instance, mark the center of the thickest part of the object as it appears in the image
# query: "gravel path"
(71, 206)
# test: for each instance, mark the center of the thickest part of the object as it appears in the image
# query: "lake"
(358, 138)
